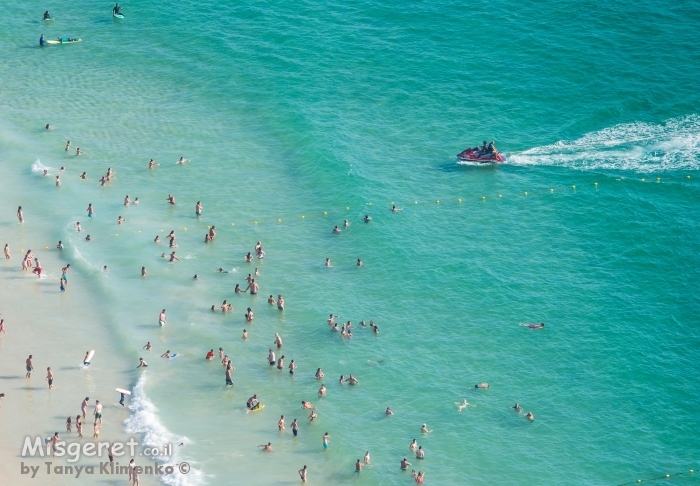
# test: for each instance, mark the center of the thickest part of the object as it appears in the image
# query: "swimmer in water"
(424, 429)
(278, 341)
(127, 201)
(152, 164)
(20, 215)
(67, 145)
(245, 334)
(173, 257)
(307, 405)
(336, 230)
(120, 220)
(319, 374)
(166, 354)
(87, 238)
(148, 346)
(171, 199)
(266, 447)
(90, 211)
(162, 317)
(328, 262)
(83, 176)
(394, 209)
(461, 406)
(143, 271)
(198, 209)
(271, 300)
(367, 218)
(312, 416)
(322, 391)
(77, 227)
(182, 160)
(60, 245)
(79, 152)
(58, 181)
(346, 223)
(280, 424)
(280, 303)
(482, 385)
(142, 364)
(517, 407)
(534, 326)
(388, 412)
(359, 262)
(530, 417)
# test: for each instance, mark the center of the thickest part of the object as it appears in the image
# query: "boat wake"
(641, 147)
(144, 421)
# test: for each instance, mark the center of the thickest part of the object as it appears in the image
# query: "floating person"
(83, 176)
(461, 406)
(529, 416)
(359, 262)
(88, 238)
(266, 447)
(388, 412)
(182, 160)
(482, 386)
(517, 407)
(538, 325)
(394, 209)
(166, 354)
(367, 218)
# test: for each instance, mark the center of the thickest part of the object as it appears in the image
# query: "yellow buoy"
(325, 213)
(47, 247)
(500, 195)
(596, 184)
(574, 187)
(551, 190)
(231, 224)
(688, 177)
(526, 193)
(668, 475)
(415, 202)
(459, 200)
(438, 201)
(392, 203)
(639, 480)
(208, 226)
(347, 208)
(369, 204)
(691, 471)
(302, 217)
(279, 220)
(184, 229)
(255, 222)
(658, 179)
(161, 231)
(483, 197)
(643, 179)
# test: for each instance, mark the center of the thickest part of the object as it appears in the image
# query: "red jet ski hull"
(472, 155)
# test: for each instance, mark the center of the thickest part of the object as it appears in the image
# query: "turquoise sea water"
(288, 111)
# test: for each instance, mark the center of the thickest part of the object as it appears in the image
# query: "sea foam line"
(638, 146)
(144, 420)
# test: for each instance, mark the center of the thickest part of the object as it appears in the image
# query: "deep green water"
(296, 109)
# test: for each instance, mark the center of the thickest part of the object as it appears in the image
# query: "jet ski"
(476, 155)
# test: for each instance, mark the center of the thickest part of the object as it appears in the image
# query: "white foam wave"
(641, 147)
(39, 168)
(144, 421)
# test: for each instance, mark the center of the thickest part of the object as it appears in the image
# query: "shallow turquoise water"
(291, 110)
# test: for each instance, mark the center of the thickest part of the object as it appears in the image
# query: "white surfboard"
(89, 357)
(121, 390)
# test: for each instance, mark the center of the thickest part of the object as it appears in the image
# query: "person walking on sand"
(98, 411)
(49, 377)
(84, 406)
(122, 396)
(30, 367)
(2, 326)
